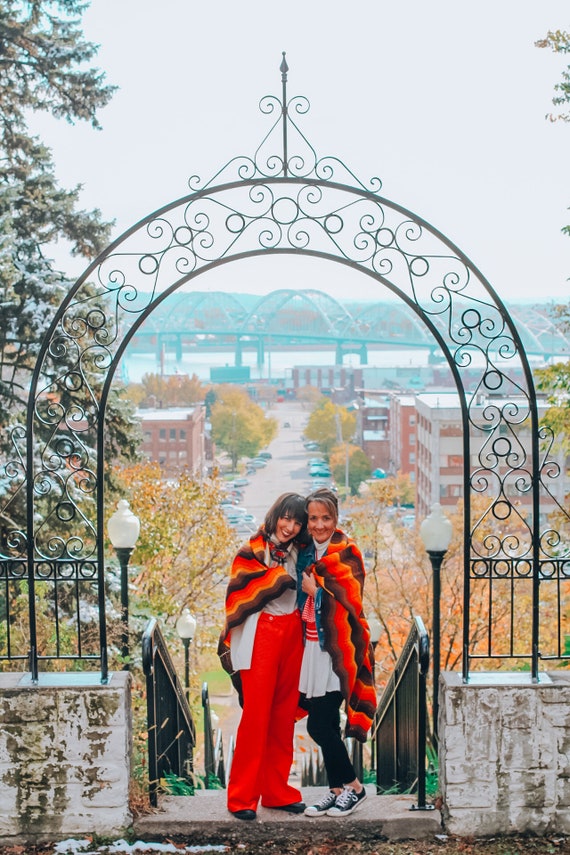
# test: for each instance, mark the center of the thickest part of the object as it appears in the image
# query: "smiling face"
(322, 523)
(287, 528)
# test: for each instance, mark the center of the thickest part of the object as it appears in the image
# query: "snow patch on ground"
(121, 847)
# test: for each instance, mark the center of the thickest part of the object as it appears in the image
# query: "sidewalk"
(204, 819)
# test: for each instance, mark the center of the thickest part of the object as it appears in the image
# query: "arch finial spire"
(284, 68)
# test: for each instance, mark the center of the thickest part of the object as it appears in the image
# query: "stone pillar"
(65, 756)
(504, 753)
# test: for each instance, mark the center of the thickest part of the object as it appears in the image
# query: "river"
(277, 365)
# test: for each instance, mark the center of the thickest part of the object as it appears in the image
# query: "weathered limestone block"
(65, 756)
(504, 754)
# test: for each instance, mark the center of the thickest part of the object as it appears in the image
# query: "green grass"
(218, 682)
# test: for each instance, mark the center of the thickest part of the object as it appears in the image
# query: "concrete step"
(204, 819)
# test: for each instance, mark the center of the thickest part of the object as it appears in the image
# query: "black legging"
(323, 725)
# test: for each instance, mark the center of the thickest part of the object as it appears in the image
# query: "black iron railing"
(214, 763)
(400, 721)
(171, 730)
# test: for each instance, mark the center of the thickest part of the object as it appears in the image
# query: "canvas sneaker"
(320, 808)
(346, 802)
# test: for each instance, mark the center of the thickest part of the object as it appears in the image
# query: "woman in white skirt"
(337, 657)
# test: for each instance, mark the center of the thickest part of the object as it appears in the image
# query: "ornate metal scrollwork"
(284, 199)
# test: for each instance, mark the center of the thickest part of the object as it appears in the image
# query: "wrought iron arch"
(281, 201)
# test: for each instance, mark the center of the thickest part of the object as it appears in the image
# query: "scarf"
(252, 585)
(340, 572)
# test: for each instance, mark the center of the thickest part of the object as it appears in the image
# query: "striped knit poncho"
(340, 572)
(252, 585)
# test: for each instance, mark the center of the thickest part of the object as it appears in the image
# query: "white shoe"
(320, 808)
(346, 802)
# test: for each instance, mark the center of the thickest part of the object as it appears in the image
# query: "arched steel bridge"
(307, 317)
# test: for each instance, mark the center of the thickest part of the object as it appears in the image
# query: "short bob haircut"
(327, 498)
(290, 505)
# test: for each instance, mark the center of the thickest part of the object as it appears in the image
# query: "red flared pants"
(264, 745)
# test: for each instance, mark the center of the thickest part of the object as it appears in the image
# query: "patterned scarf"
(340, 572)
(252, 585)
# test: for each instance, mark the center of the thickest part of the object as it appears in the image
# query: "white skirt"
(317, 675)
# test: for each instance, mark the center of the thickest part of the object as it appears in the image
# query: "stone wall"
(65, 754)
(504, 753)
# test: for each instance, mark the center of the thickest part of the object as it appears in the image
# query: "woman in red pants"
(261, 647)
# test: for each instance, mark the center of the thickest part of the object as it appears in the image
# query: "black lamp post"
(186, 627)
(436, 533)
(123, 528)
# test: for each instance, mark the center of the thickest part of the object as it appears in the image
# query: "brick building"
(175, 438)
(403, 436)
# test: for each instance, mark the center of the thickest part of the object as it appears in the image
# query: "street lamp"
(436, 532)
(186, 627)
(123, 529)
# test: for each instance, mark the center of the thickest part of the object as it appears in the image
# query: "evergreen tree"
(45, 66)
(42, 59)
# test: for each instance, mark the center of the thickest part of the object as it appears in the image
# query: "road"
(287, 470)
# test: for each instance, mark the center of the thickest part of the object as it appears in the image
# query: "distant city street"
(287, 469)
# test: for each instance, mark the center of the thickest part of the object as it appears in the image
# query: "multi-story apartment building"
(372, 428)
(175, 438)
(403, 436)
(439, 466)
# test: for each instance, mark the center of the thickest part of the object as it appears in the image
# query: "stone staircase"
(204, 819)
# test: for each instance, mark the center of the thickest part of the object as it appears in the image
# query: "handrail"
(214, 765)
(171, 730)
(400, 720)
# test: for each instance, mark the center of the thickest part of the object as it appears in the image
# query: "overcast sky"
(444, 100)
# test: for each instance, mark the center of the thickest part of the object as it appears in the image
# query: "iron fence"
(214, 761)
(283, 200)
(171, 730)
(400, 721)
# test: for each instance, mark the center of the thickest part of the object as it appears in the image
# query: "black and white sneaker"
(321, 808)
(346, 802)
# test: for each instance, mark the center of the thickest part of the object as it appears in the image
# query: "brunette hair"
(287, 505)
(327, 498)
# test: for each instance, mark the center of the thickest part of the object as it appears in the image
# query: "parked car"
(265, 455)
(315, 471)
(241, 482)
(257, 463)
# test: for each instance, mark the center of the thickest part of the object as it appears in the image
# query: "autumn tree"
(175, 390)
(240, 427)
(349, 460)
(555, 381)
(185, 546)
(308, 395)
(559, 42)
(399, 582)
(329, 423)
